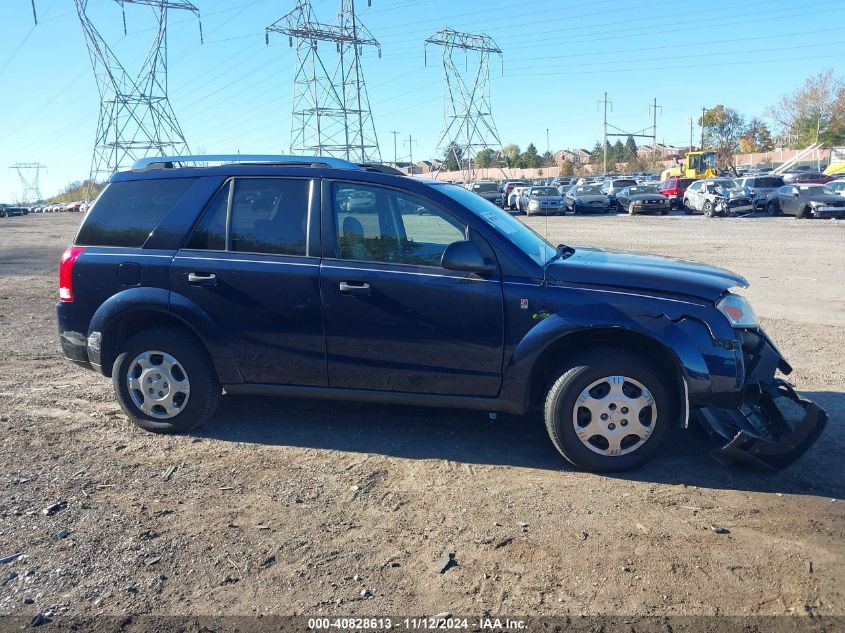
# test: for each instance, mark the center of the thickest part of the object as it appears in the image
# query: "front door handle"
(202, 279)
(354, 288)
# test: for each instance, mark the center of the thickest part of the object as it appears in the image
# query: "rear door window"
(128, 211)
(267, 215)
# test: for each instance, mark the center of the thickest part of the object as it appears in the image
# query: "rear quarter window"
(128, 211)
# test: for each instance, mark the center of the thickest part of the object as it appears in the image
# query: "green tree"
(618, 153)
(485, 158)
(756, 138)
(596, 154)
(815, 112)
(723, 128)
(630, 149)
(530, 158)
(451, 157)
(510, 154)
(567, 168)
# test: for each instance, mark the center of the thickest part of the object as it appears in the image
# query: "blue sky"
(234, 93)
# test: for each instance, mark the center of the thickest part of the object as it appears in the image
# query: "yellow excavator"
(694, 165)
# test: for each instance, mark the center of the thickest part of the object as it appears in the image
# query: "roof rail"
(336, 163)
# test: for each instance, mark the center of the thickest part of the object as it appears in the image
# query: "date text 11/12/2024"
(417, 624)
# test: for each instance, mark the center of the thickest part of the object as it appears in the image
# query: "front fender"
(681, 340)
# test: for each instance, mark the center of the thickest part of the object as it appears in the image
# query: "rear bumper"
(773, 426)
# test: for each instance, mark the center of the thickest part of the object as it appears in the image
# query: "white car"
(514, 197)
(837, 185)
(696, 193)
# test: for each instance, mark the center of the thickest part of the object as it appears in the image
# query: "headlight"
(738, 311)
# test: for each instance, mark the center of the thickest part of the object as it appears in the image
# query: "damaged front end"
(773, 426)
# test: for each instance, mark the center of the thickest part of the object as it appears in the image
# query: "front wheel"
(772, 208)
(688, 210)
(708, 209)
(165, 382)
(804, 213)
(631, 210)
(608, 411)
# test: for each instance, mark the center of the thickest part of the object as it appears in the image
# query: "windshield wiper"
(561, 252)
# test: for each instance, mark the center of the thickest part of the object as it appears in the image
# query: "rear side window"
(127, 212)
(267, 215)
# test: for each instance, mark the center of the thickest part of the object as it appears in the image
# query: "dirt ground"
(280, 507)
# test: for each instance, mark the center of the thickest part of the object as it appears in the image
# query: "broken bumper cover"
(773, 426)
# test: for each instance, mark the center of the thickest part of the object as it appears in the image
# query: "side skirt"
(473, 403)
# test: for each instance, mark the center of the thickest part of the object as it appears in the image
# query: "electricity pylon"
(30, 185)
(468, 127)
(136, 119)
(331, 110)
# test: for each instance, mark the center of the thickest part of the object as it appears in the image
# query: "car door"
(695, 195)
(394, 319)
(249, 266)
(786, 199)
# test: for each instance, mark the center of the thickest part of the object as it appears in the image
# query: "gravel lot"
(281, 507)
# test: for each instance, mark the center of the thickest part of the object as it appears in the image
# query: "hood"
(647, 196)
(592, 198)
(644, 273)
(827, 197)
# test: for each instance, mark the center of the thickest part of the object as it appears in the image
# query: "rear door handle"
(354, 288)
(202, 279)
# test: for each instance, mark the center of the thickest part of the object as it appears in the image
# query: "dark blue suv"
(315, 277)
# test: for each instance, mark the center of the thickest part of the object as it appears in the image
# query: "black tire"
(579, 374)
(664, 212)
(631, 210)
(772, 208)
(688, 210)
(803, 213)
(708, 210)
(204, 394)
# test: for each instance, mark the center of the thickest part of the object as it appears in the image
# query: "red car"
(673, 188)
(806, 178)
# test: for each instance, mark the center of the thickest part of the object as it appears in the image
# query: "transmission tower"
(468, 127)
(29, 184)
(331, 110)
(136, 118)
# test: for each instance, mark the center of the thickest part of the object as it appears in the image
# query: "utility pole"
(395, 134)
(703, 112)
(410, 143)
(690, 132)
(548, 150)
(654, 107)
(604, 145)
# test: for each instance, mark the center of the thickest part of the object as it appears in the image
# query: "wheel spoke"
(614, 443)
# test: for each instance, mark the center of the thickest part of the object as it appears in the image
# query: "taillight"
(66, 272)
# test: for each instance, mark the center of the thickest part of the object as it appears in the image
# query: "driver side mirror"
(795, 195)
(465, 256)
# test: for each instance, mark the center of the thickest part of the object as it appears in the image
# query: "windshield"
(818, 190)
(588, 191)
(485, 187)
(719, 184)
(623, 183)
(642, 189)
(515, 231)
(544, 191)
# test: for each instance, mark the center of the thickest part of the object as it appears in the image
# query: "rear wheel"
(772, 208)
(165, 382)
(608, 411)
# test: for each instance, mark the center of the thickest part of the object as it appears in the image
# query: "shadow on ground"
(521, 442)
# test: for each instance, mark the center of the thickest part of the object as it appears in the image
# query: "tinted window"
(210, 232)
(624, 183)
(127, 212)
(383, 225)
(269, 215)
(769, 182)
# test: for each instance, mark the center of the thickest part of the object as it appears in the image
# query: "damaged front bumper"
(773, 426)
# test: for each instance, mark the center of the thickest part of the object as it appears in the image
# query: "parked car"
(673, 188)
(642, 199)
(515, 198)
(808, 201)
(762, 189)
(716, 196)
(806, 177)
(587, 199)
(507, 188)
(838, 186)
(179, 285)
(487, 189)
(543, 200)
(612, 185)
(16, 211)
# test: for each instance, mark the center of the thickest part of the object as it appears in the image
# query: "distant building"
(665, 151)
